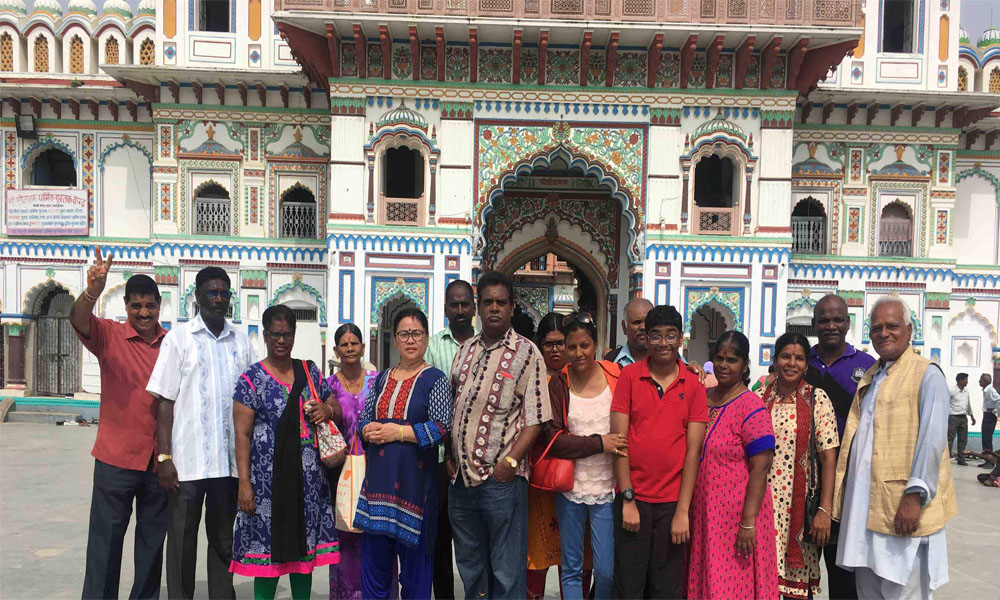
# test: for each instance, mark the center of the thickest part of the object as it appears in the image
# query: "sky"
(976, 17)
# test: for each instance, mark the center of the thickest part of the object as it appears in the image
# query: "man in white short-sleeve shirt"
(194, 378)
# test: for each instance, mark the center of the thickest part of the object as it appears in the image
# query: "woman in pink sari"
(732, 552)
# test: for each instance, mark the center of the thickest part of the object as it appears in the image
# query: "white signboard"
(46, 212)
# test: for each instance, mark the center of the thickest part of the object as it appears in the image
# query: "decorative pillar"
(684, 201)
(746, 205)
(432, 201)
(371, 189)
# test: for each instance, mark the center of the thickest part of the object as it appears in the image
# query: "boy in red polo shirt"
(126, 436)
(661, 407)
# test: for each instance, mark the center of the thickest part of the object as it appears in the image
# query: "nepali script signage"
(47, 212)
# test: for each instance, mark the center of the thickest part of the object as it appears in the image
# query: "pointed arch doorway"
(561, 213)
(57, 357)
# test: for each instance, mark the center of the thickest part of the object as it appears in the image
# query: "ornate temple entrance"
(561, 234)
(57, 361)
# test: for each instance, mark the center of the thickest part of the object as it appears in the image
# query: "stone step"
(30, 416)
(44, 408)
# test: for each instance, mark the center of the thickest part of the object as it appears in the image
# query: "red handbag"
(548, 472)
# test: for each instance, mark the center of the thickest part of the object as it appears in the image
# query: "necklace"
(570, 381)
(348, 385)
(729, 397)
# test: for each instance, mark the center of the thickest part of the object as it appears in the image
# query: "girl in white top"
(581, 409)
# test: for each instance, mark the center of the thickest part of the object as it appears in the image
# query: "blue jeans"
(572, 526)
(489, 524)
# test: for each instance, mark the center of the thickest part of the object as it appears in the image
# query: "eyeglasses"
(287, 336)
(213, 294)
(670, 338)
(552, 345)
(416, 335)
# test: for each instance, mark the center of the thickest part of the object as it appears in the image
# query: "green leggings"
(264, 588)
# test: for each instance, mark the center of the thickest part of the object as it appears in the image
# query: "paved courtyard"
(45, 484)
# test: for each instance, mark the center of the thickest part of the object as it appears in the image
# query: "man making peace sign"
(123, 452)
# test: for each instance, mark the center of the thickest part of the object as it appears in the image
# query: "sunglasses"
(213, 294)
(287, 336)
(580, 317)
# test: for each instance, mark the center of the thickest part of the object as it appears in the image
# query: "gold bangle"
(89, 298)
(401, 433)
(826, 511)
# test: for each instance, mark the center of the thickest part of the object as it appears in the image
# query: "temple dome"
(49, 7)
(14, 6)
(990, 37)
(118, 7)
(402, 115)
(86, 7)
(963, 37)
(146, 8)
(719, 123)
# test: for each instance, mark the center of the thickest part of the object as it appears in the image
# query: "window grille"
(809, 235)
(6, 53)
(298, 219)
(76, 55)
(41, 54)
(146, 52)
(212, 216)
(111, 51)
(306, 315)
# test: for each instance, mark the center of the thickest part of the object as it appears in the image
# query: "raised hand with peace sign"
(97, 276)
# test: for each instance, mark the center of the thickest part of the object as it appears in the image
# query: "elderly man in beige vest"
(894, 491)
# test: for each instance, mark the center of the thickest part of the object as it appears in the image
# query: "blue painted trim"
(398, 243)
(346, 309)
(760, 355)
(769, 332)
(17, 316)
(173, 249)
(740, 319)
(422, 303)
(49, 143)
(54, 401)
(725, 254)
(665, 297)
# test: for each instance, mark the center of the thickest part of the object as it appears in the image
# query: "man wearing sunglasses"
(194, 379)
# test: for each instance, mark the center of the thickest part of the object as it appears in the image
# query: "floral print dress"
(796, 582)
(260, 391)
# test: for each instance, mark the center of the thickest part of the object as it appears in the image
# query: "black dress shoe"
(963, 462)
(986, 465)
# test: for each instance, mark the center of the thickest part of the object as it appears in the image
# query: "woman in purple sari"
(350, 385)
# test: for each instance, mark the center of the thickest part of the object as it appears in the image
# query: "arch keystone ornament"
(730, 299)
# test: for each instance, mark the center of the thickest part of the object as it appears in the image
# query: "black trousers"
(958, 425)
(840, 582)
(647, 563)
(989, 426)
(218, 495)
(110, 510)
(444, 572)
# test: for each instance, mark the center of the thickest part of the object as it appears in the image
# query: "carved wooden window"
(995, 80)
(895, 231)
(41, 54)
(6, 52)
(76, 55)
(963, 80)
(146, 50)
(298, 214)
(716, 196)
(111, 51)
(402, 172)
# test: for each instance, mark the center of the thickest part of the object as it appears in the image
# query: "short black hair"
(577, 321)
(495, 278)
(141, 285)
(416, 313)
(961, 376)
(457, 284)
(553, 321)
(344, 330)
(791, 338)
(278, 312)
(742, 345)
(208, 274)
(664, 314)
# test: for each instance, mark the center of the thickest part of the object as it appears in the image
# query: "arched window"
(54, 168)
(963, 80)
(111, 51)
(6, 52)
(809, 227)
(146, 52)
(76, 55)
(895, 231)
(995, 80)
(298, 213)
(402, 177)
(41, 54)
(716, 195)
(211, 210)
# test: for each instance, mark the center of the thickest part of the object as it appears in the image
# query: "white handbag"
(352, 477)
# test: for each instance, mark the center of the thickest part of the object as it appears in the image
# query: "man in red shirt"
(123, 452)
(661, 406)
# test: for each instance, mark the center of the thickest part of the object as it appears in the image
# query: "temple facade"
(352, 157)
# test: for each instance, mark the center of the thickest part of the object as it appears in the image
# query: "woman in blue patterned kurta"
(273, 537)
(406, 419)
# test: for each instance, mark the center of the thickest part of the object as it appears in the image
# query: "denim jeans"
(489, 525)
(572, 527)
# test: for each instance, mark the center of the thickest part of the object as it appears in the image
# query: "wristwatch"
(163, 457)
(511, 461)
(629, 495)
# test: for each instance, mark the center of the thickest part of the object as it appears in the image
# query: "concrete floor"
(45, 485)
